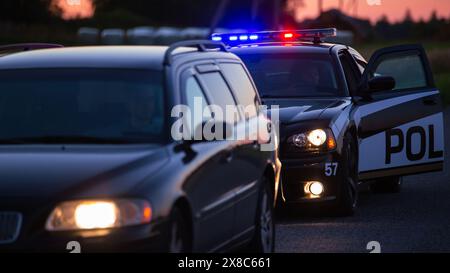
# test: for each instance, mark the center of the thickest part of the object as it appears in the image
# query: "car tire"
(264, 236)
(387, 185)
(179, 237)
(347, 199)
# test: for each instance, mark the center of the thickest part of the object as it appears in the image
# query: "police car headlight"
(314, 139)
(317, 137)
(98, 214)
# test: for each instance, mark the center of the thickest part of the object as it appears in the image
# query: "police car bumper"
(299, 175)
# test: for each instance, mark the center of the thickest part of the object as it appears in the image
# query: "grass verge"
(443, 83)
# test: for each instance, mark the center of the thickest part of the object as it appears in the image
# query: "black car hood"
(297, 110)
(76, 171)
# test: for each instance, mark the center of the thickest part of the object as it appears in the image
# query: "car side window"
(361, 64)
(350, 74)
(413, 77)
(357, 59)
(242, 86)
(220, 94)
(193, 91)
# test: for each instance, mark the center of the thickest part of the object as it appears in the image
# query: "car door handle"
(429, 102)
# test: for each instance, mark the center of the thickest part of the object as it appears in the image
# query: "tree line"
(248, 14)
(240, 13)
(434, 28)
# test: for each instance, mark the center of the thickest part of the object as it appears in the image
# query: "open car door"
(401, 129)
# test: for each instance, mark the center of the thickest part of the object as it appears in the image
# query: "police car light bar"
(316, 35)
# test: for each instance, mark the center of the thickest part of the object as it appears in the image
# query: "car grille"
(10, 223)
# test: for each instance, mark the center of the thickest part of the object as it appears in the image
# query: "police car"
(343, 120)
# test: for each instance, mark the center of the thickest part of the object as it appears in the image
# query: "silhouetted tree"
(382, 27)
(238, 14)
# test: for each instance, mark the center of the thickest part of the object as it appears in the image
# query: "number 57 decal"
(331, 169)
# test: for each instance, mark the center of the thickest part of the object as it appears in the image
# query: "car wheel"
(348, 196)
(178, 234)
(264, 238)
(387, 185)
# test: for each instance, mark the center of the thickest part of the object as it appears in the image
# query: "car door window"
(193, 91)
(220, 94)
(406, 68)
(361, 65)
(242, 86)
(350, 73)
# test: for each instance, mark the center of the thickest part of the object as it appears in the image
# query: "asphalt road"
(415, 220)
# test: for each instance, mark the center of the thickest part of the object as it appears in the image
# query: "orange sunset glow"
(395, 10)
(72, 9)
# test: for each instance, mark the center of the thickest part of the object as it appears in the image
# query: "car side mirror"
(381, 83)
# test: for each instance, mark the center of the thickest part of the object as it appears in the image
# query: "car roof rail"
(201, 45)
(14, 48)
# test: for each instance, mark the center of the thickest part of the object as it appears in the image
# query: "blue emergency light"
(315, 35)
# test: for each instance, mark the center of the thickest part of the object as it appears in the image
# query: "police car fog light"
(314, 188)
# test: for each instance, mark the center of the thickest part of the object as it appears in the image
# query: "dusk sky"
(394, 9)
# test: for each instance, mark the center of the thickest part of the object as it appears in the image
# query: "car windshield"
(81, 106)
(292, 75)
